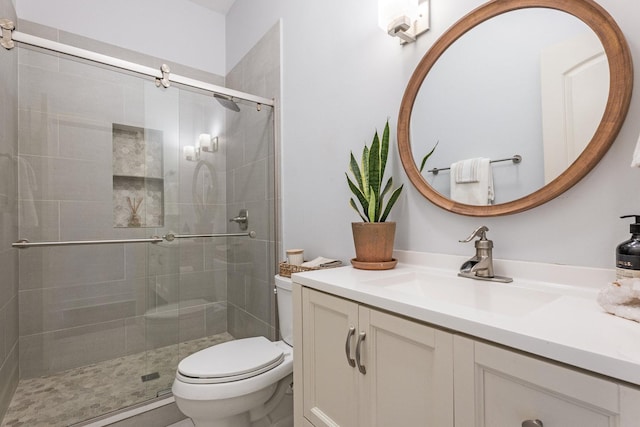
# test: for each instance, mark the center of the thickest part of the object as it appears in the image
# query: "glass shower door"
(156, 192)
(186, 284)
(107, 155)
(98, 159)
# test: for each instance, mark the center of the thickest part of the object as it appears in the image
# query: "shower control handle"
(242, 219)
(347, 347)
(532, 423)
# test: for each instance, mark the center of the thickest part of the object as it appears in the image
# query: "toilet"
(241, 383)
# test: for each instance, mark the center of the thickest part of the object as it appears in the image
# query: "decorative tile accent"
(137, 151)
(138, 184)
(82, 393)
(146, 194)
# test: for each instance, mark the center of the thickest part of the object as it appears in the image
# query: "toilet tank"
(285, 308)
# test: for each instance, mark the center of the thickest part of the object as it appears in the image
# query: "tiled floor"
(90, 391)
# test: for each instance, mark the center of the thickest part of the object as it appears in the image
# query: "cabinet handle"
(361, 367)
(347, 347)
(532, 423)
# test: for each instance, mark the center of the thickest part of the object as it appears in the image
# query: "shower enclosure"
(150, 218)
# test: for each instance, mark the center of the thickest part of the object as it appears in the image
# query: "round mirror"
(539, 88)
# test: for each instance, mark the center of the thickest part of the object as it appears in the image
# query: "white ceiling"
(220, 6)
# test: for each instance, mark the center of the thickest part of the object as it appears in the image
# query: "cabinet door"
(498, 387)
(409, 372)
(330, 383)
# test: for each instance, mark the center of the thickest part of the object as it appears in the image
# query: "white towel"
(466, 171)
(622, 298)
(472, 181)
(322, 262)
(635, 161)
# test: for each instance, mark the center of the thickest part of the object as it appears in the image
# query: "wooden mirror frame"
(621, 85)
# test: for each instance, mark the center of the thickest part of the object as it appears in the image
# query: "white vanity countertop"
(548, 310)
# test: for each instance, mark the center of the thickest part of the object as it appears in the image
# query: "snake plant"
(426, 157)
(368, 177)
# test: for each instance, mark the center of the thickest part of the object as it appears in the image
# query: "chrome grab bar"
(24, 243)
(170, 237)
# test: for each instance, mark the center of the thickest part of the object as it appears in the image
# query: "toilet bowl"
(241, 383)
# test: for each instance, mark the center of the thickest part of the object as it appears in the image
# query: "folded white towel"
(467, 171)
(622, 298)
(322, 262)
(635, 161)
(472, 181)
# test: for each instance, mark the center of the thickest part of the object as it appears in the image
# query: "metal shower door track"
(9, 35)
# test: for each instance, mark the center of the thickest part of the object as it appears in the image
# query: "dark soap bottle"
(628, 252)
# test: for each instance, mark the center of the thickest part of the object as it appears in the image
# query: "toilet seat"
(230, 361)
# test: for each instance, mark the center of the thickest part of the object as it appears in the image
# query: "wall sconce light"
(191, 153)
(204, 143)
(405, 19)
(207, 143)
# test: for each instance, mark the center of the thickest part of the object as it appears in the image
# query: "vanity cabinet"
(366, 367)
(360, 366)
(494, 386)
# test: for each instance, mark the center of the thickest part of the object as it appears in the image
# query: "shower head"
(226, 101)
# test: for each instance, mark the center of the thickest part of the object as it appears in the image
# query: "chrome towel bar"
(171, 237)
(24, 243)
(517, 158)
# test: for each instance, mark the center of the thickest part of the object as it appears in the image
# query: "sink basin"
(505, 299)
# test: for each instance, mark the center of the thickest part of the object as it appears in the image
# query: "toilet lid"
(232, 360)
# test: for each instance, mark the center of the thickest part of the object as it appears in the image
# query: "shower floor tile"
(90, 391)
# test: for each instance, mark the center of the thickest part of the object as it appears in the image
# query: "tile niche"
(138, 184)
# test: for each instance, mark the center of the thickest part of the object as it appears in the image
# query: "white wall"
(179, 31)
(342, 77)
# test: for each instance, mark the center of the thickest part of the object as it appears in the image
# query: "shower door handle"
(242, 219)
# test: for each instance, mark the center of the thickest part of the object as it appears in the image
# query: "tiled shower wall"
(8, 219)
(82, 304)
(250, 174)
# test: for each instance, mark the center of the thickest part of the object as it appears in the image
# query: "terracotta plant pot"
(373, 241)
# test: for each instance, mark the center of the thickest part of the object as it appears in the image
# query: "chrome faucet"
(480, 266)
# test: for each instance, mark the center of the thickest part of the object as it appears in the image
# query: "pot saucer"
(381, 265)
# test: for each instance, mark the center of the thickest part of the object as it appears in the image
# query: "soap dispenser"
(628, 252)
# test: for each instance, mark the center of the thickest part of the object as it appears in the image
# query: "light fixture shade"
(405, 19)
(204, 141)
(207, 143)
(191, 153)
(390, 10)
